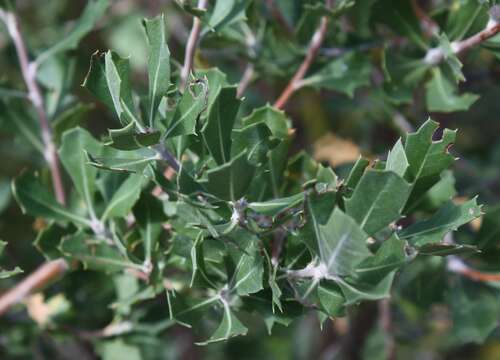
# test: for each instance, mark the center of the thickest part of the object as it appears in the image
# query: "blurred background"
(335, 128)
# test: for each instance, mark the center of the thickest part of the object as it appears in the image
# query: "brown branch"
(44, 275)
(314, 46)
(385, 323)
(456, 265)
(436, 55)
(28, 71)
(191, 45)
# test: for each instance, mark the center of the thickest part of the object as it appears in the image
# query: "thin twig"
(385, 323)
(436, 55)
(38, 279)
(456, 265)
(191, 45)
(28, 71)
(314, 46)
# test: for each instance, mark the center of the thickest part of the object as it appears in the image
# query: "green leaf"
(249, 270)
(255, 140)
(231, 180)
(446, 249)
(108, 80)
(135, 162)
(193, 102)
(441, 95)
(331, 299)
(427, 158)
(34, 199)
(275, 206)
(229, 327)
(217, 130)
(390, 256)
(448, 218)
(72, 154)
(344, 75)
(49, 239)
(124, 198)
(341, 243)
(158, 63)
(356, 172)
(130, 138)
(4, 274)
(318, 209)
(149, 215)
(396, 159)
(377, 200)
(94, 253)
(86, 22)
(275, 120)
(226, 13)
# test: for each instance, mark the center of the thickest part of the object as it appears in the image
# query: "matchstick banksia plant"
(200, 208)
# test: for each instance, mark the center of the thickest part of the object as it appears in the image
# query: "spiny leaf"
(448, 218)
(217, 130)
(158, 63)
(377, 200)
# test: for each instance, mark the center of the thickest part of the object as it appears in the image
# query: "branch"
(456, 265)
(385, 323)
(436, 55)
(191, 45)
(28, 71)
(314, 46)
(428, 25)
(45, 274)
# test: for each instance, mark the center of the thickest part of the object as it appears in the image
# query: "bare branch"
(436, 55)
(28, 71)
(429, 26)
(191, 45)
(314, 46)
(38, 279)
(456, 265)
(251, 44)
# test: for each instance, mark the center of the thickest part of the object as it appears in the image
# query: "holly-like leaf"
(94, 253)
(229, 327)
(448, 218)
(344, 75)
(341, 243)
(217, 130)
(427, 158)
(75, 143)
(441, 95)
(275, 206)
(35, 200)
(124, 198)
(231, 180)
(149, 215)
(108, 80)
(131, 138)
(396, 159)
(4, 274)
(158, 63)
(193, 102)
(377, 200)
